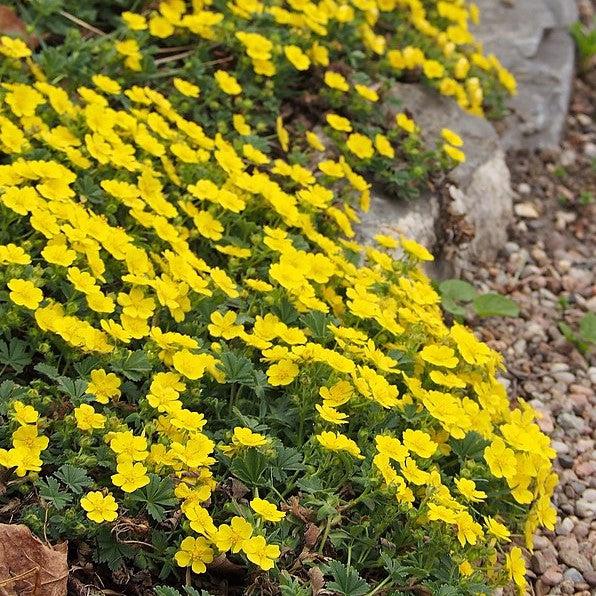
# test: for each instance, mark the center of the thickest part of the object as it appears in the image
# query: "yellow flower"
(454, 153)
(451, 137)
(27, 438)
(233, 536)
(24, 293)
(367, 92)
(497, 529)
(282, 373)
(500, 459)
(227, 82)
(282, 134)
(439, 355)
(465, 568)
(134, 21)
(11, 253)
(186, 88)
(384, 146)
(516, 568)
(360, 145)
(433, 69)
(194, 553)
(297, 57)
(240, 124)
(224, 325)
(190, 365)
(416, 250)
(330, 414)
(314, 141)
(13, 47)
(467, 488)
(267, 510)
(419, 442)
(338, 442)
(339, 123)
(128, 446)
(336, 81)
(87, 418)
(248, 438)
(24, 414)
(106, 84)
(104, 386)
(130, 476)
(405, 123)
(391, 447)
(100, 507)
(260, 553)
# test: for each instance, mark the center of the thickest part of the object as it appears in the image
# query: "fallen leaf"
(13, 26)
(28, 567)
(311, 535)
(317, 580)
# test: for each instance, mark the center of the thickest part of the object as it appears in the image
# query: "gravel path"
(548, 268)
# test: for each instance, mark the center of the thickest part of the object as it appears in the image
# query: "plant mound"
(202, 368)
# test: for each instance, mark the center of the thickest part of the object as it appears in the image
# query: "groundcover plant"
(204, 374)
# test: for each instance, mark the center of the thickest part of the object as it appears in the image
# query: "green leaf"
(317, 322)
(110, 551)
(74, 478)
(47, 369)
(346, 580)
(51, 491)
(74, 388)
(587, 327)
(453, 292)
(14, 354)
(237, 368)
(470, 447)
(156, 496)
(290, 586)
(133, 365)
(249, 467)
(458, 290)
(495, 305)
(9, 390)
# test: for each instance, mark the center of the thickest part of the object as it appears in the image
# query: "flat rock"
(531, 39)
(480, 187)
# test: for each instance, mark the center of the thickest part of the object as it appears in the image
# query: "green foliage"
(458, 295)
(585, 41)
(584, 338)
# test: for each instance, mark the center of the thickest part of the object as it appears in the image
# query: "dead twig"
(81, 23)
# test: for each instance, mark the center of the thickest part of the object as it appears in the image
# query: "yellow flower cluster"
(146, 233)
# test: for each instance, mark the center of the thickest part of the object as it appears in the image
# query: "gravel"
(548, 267)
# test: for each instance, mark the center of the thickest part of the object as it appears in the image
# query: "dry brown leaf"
(13, 26)
(311, 535)
(28, 567)
(317, 580)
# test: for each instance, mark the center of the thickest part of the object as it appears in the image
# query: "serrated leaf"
(48, 370)
(495, 305)
(74, 478)
(133, 365)
(74, 388)
(156, 496)
(317, 322)
(111, 552)
(346, 580)
(249, 467)
(50, 491)
(14, 354)
(9, 390)
(237, 368)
